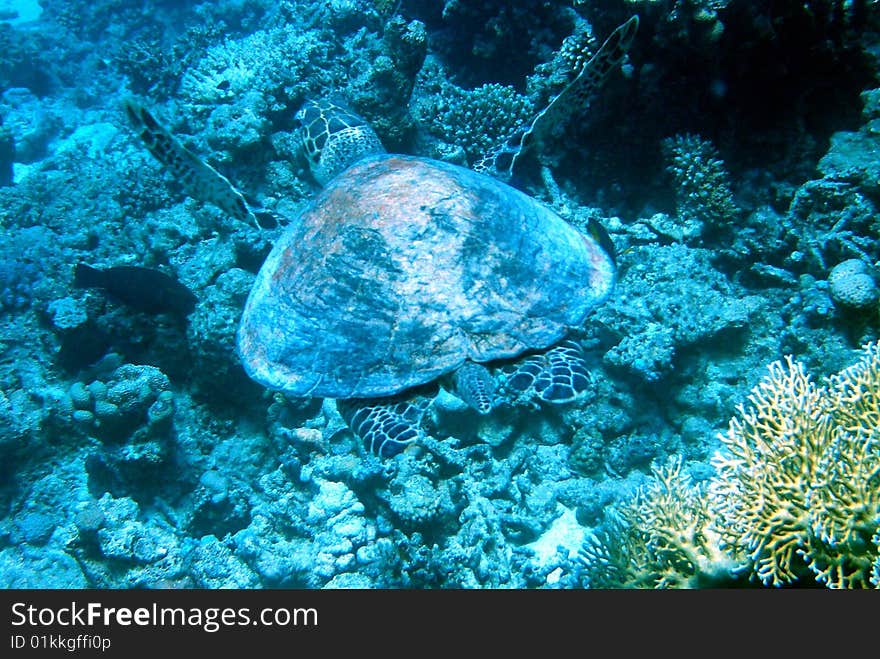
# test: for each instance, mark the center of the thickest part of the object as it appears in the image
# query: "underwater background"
(731, 432)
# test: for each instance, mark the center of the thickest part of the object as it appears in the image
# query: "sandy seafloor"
(734, 159)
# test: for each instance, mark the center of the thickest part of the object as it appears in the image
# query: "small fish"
(144, 289)
(600, 235)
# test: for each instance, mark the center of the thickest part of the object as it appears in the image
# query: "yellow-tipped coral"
(661, 538)
(798, 487)
(796, 494)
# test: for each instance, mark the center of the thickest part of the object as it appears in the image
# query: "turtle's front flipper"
(198, 178)
(387, 426)
(575, 97)
(559, 375)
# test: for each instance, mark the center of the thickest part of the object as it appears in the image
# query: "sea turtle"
(406, 271)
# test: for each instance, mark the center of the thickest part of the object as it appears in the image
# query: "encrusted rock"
(67, 313)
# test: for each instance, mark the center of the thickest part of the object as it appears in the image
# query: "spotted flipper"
(199, 180)
(334, 137)
(386, 426)
(475, 385)
(575, 97)
(559, 375)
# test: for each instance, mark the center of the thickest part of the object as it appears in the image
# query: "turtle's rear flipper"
(559, 375)
(198, 178)
(386, 426)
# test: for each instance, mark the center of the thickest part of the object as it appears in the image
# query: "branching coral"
(476, 119)
(576, 49)
(796, 494)
(831, 221)
(799, 484)
(702, 183)
(661, 538)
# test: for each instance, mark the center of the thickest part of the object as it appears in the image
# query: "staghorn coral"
(661, 538)
(830, 221)
(798, 488)
(834, 218)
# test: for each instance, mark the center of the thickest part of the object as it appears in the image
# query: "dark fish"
(143, 289)
(82, 346)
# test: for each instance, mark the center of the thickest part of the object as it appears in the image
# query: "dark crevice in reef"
(767, 83)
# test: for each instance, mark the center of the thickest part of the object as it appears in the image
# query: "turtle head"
(334, 137)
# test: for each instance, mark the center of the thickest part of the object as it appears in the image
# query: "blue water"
(731, 156)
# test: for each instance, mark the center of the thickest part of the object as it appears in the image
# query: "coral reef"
(797, 486)
(493, 41)
(793, 498)
(831, 218)
(135, 452)
(648, 322)
(851, 284)
(852, 156)
(16, 284)
(702, 183)
(211, 333)
(382, 91)
(7, 155)
(661, 538)
(475, 119)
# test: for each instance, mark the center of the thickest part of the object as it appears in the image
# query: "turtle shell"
(401, 269)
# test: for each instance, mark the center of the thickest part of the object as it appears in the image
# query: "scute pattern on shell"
(402, 269)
